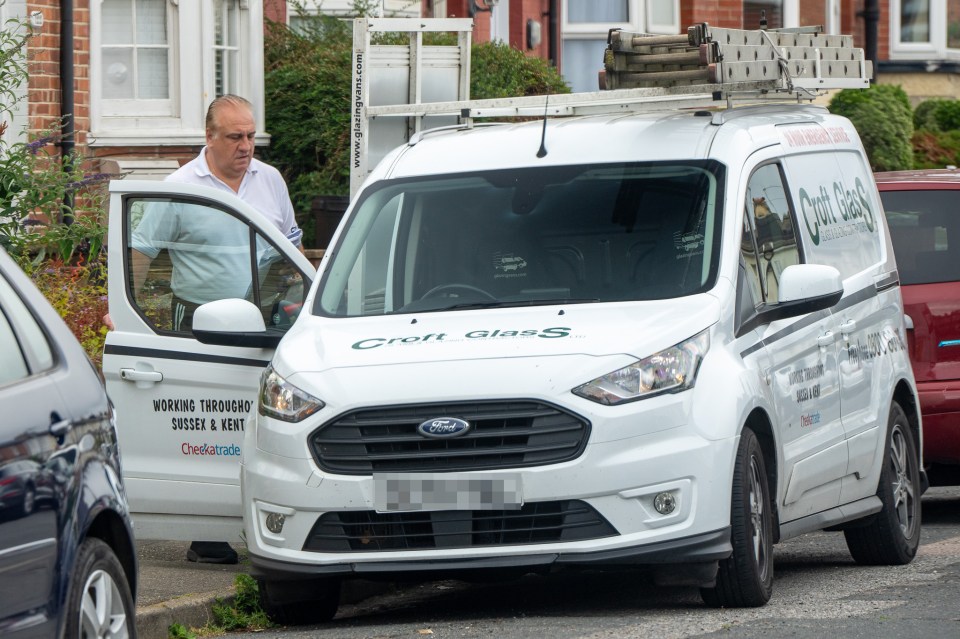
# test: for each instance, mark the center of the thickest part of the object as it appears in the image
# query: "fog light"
(665, 503)
(274, 522)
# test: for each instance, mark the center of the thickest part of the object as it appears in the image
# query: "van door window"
(771, 245)
(183, 254)
(837, 209)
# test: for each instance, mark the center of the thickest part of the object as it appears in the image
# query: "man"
(226, 162)
(200, 276)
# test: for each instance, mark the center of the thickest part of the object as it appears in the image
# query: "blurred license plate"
(445, 492)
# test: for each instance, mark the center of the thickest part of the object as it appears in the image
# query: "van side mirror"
(806, 281)
(232, 322)
(805, 288)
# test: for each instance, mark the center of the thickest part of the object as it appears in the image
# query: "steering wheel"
(453, 287)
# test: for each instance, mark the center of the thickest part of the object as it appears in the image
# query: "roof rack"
(642, 72)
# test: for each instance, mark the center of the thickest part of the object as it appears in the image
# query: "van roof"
(596, 139)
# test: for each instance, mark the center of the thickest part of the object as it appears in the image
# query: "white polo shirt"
(209, 249)
(262, 187)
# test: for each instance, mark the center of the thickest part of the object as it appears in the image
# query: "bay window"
(156, 64)
(585, 26)
(924, 29)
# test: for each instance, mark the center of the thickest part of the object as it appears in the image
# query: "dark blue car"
(67, 560)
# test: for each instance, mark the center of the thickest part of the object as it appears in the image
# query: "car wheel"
(296, 603)
(745, 578)
(892, 536)
(29, 501)
(99, 602)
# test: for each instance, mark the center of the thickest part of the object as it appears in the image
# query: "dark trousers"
(181, 314)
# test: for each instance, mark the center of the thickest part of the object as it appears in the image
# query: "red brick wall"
(883, 29)
(813, 12)
(520, 12)
(275, 10)
(537, 10)
(718, 13)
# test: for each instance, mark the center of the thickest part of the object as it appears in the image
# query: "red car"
(923, 213)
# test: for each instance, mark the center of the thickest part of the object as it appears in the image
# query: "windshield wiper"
(515, 303)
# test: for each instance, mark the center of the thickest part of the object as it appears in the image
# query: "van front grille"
(535, 523)
(508, 434)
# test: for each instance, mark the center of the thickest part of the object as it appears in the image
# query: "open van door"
(182, 405)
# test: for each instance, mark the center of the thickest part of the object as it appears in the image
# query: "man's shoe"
(212, 552)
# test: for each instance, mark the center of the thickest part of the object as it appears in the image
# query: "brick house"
(143, 71)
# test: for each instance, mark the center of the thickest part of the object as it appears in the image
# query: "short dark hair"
(219, 103)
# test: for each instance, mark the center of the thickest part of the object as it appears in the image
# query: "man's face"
(230, 143)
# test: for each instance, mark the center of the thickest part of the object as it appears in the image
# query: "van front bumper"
(691, 560)
(295, 515)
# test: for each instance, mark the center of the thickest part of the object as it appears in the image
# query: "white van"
(666, 340)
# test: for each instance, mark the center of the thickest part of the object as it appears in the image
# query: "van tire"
(745, 578)
(99, 602)
(298, 603)
(892, 536)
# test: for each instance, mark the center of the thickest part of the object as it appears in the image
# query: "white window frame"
(192, 78)
(936, 48)
(833, 17)
(666, 28)
(154, 107)
(638, 12)
(210, 45)
(592, 30)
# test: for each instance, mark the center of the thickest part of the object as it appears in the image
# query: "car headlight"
(282, 400)
(669, 371)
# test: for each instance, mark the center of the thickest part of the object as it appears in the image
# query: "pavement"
(174, 590)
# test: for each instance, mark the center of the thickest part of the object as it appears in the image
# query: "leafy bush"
(937, 115)
(499, 71)
(884, 120)
(936, 149)
(38, 189)
(78, 292)
(308, 100)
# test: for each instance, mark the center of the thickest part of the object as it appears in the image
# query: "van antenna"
(543, 136)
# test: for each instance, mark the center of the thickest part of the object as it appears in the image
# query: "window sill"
(156, 137)
(932, 65)
(146, 137)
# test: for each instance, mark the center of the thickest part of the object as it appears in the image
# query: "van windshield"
(526, 237)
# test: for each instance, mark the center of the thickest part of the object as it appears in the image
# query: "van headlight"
(282, 400)
(669, 371)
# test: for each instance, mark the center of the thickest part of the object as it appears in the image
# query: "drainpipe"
(66, 101)
(554, 29)
(871, 18)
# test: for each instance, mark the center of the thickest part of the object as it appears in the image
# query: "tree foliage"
(884, 120)
(937, 115)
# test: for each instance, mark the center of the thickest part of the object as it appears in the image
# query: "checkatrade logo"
(210, 450)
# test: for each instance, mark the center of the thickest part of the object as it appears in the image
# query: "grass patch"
(244, 613)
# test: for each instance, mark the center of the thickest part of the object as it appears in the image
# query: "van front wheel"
(745, 578)
(892, 536)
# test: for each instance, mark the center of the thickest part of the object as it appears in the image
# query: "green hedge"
(937, 115)
(884, 120)
(307, 83)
